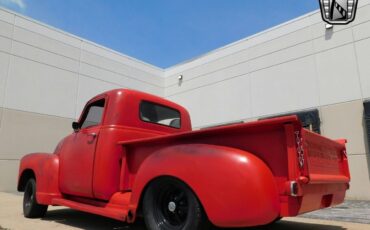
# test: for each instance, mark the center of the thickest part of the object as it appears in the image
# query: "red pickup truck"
(134, 154)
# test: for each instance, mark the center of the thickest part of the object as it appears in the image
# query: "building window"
(310, 119)
(367, 119)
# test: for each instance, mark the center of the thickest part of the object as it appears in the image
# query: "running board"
(118, 213)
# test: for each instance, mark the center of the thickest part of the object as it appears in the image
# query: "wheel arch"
(219, 178)
(24, 177)
(44, 168)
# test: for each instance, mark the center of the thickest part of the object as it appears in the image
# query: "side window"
(159, 114)
(94, 114)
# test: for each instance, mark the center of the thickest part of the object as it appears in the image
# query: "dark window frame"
(308, 118)
(160, 105)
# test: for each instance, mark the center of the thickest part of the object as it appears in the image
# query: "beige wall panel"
(43, 56)
(345, 120)
(4, 63)
(1, 115)
(8, 175)
(39, 88)
(46, 43)
(279, 89)
(338, 78)
(360, 177)
(363, 52)
(24, 132)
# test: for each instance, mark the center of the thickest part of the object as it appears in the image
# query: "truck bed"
(310, 171)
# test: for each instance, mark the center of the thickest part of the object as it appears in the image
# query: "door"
(78, 152)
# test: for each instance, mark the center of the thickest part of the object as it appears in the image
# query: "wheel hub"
(172, 206)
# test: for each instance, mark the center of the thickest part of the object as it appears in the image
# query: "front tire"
(169, 204)
(31, 209)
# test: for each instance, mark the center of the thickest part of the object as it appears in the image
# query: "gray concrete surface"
(349, 211)
(11, 218)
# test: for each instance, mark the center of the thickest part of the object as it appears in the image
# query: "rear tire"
(31, 209)
(169, 204)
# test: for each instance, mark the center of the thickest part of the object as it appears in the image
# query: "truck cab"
(118, 115)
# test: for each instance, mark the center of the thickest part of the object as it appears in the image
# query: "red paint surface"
(240, 173)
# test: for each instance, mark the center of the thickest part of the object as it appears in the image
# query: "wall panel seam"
(245, 49)
(267, 67)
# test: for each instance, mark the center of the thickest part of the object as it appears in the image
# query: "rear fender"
(234, 187)
(45, 167)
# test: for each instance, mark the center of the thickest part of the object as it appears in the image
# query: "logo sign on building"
(338, 12)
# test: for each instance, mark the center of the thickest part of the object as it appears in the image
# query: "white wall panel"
(282, 56)
(363, 12)
(121, 58)
(5, 44)
(6, 29)
(6, 16)
(43, 56)
(329, 41)
(337, 74)
(95, 59)
(209, 78)
(47, 31)
(4, 62)
(114, 78)
(287, 87)
(361, 31)
(39, 88)
(88, 88)
(218, 103)
(41, 41)
(363, 52)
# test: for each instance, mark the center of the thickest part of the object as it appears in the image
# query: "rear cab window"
(160, 114)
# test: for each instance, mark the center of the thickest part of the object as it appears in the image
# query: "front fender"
(46, 169)
(235, 187)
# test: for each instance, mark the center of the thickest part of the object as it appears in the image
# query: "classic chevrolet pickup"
(133, 154)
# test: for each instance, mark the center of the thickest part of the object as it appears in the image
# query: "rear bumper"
(314, 197)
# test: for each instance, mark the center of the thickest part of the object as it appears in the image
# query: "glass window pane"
(159, 114)
(94, 114)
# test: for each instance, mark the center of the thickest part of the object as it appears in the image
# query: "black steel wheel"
(31, 209)
(169, 204)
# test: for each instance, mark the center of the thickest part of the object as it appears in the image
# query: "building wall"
(292, 67)
(46, 76)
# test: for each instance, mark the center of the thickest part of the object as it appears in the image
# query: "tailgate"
(323, 173)
(326, 160)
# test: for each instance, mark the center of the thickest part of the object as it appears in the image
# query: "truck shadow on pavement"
(82, 220)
